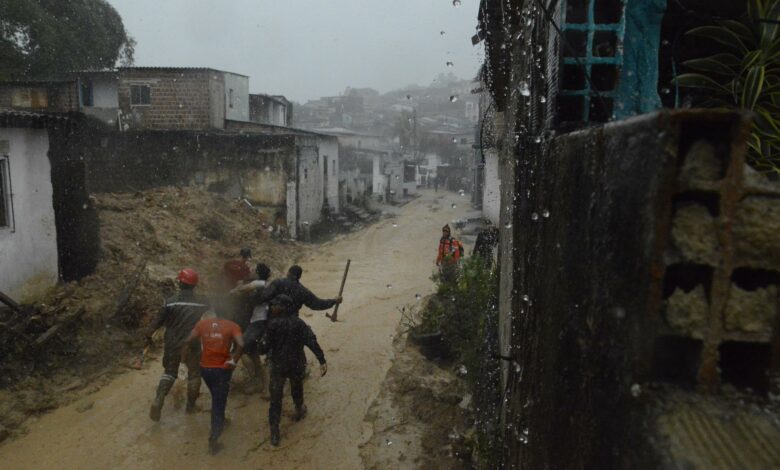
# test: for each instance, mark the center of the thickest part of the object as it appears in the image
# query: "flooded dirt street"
(391, 262)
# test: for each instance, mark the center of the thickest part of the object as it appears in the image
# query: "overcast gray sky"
(305, 49)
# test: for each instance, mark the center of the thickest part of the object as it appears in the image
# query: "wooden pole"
(335, 315)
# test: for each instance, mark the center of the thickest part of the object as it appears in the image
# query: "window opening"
(594, 31)
(87, 94)
(6, 215)
(140, 95)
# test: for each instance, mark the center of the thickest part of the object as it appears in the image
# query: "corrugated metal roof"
(178, 69)
(13, 118)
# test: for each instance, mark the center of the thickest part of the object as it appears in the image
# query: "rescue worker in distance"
(216, 335)
(179, 315)
(291, 286)
(449, 253)
(284, 340)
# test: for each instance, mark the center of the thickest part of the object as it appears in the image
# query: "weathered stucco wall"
(253, 166)
(329, 150)
(491, 191)
(240, 105)
(28, 250)
(310, 196)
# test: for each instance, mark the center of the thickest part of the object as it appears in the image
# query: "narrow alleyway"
(391, 263)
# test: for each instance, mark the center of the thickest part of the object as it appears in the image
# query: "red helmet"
(188, 276)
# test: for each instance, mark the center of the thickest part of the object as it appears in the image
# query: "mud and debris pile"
(421, 418)
(83, 332)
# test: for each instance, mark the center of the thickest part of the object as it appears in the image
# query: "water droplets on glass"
(534, 216)
(389, 286)
(508, 225)
(462, 370)
(456, 3)
(636, 390)
(665, 91)
(395, 224)
(543, 99)
(449, 64)
(454, 206)
(524, 89)
(442, 33)
(546, 214)
(417, 296)
(453, 98)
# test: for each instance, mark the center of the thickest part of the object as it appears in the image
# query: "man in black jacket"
(285, 337)
(291, 286)
(179, 315)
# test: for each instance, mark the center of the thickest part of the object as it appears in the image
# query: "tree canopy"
(44, 38)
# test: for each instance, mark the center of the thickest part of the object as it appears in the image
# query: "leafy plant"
(745, 75)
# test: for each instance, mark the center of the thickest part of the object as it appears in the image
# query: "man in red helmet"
(179, 315)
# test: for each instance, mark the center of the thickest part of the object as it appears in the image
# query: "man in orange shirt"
(450, 251)
(217, 335)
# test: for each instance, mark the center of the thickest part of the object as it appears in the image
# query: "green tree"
(44, 38)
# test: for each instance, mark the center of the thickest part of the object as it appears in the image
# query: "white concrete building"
(236, 96)
(28, 236)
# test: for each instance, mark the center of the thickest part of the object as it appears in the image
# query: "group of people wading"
(210, 336)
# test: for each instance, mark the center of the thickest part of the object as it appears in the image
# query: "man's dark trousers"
(277, 391)
(218, 382)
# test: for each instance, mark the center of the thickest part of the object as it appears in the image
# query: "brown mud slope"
(419, 418)
(391, 263)
(149, 235)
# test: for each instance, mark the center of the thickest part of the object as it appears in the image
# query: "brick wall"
(179, 99)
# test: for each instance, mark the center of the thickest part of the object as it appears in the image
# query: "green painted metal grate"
(594, 31)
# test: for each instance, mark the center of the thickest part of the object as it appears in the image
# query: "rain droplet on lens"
(462, 370)
(417, 296)
(395, 224)
(456, 3)
(408, 97)
(546, 214)
(508, 225)
(442, 33)
(534, 216)
(525, 298)
(389, 286)
(454, 205)
(665, 91)
(449, 64)
(543, 99)
(84, 207)
(538, 139)
(524, 89)
(454, 98)
(636, 390)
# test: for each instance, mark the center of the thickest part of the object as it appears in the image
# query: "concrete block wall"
(723, 260)
(179, 99)
(635, 256)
